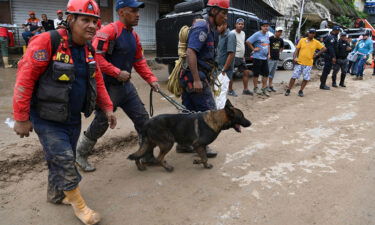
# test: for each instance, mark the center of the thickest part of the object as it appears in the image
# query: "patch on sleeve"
(102, 35)
(41, 55)
(202, 36)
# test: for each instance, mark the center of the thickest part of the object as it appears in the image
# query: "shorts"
(272, 66)
(302, 70)
(261, 68)
(240, 64)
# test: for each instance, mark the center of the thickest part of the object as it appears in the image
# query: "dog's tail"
(141, 151)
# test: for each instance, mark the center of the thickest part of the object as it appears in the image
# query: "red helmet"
(223, 4)
(83, 7)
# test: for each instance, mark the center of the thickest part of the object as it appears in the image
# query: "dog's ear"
(228, 104)
(229, 109)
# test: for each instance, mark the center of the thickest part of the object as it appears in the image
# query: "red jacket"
(3, 32)
(34, 63)
(109, 33)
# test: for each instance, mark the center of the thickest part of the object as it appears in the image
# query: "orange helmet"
(223, 4)
(83, 7)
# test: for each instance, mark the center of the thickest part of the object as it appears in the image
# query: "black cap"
(343, 34)
(312, 30)
(336, 28)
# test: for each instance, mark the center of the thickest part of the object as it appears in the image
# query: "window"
(287, 46)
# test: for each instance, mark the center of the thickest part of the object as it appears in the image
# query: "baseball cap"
(240, 20)
(59, 11)
(343, 34)
(129, 3)
(279, 29)
(264, 22)
(312, 30)
(336, 28)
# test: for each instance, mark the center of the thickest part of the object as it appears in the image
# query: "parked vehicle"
(286, 57)
(168, 27)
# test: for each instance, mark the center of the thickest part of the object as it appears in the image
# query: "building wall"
(106, 11)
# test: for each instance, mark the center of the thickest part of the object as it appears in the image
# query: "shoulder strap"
(55, 40)
(91, 48)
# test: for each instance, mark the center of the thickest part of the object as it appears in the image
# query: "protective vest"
(121, 53)
(54, 86)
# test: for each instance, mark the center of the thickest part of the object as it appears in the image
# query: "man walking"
(119, 50)
(57, 80)
(343, 49)
(239, 60)
(276, 47)
(363, 49)
(304, 59)
(330, 59)
(259, 43)
(226, 51)
(202, 41)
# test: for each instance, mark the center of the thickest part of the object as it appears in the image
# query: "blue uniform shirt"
(203, 39)
(77, 96)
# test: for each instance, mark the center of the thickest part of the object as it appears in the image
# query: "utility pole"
(298, 34)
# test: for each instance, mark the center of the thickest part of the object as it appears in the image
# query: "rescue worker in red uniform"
(119, 50)
(57, 80)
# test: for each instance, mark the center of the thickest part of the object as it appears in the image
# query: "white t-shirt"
(240, 47)
(56, 22)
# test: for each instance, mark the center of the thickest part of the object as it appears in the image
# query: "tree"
(345, 21)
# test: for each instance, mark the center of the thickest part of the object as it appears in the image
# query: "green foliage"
(345, 21)
(361, 15)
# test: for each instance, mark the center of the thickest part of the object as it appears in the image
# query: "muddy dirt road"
(303, 161)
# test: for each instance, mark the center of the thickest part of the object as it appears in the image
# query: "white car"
(286, 57)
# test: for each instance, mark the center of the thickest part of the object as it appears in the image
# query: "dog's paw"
(208, 166)
(169, 169)
(140, 166)
(197, 161)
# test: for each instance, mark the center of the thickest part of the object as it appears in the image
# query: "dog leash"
(179, 107)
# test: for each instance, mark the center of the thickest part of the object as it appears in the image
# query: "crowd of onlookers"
(34, 26)
(338, 51)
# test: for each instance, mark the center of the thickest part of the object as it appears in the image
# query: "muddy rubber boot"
(84, 147)
(6, 62)
(84, 213)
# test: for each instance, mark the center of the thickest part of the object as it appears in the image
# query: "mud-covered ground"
(303, 161)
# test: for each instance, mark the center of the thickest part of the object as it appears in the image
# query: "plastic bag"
(352, 57)
(221, 86)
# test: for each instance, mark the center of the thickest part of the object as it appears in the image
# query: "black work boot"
(184, 149)
(210, 152)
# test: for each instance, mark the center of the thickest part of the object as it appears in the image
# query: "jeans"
(126, 97)
(27, 35)
(4, 46)
(272, 67)
(360, 65)
(59, 143)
